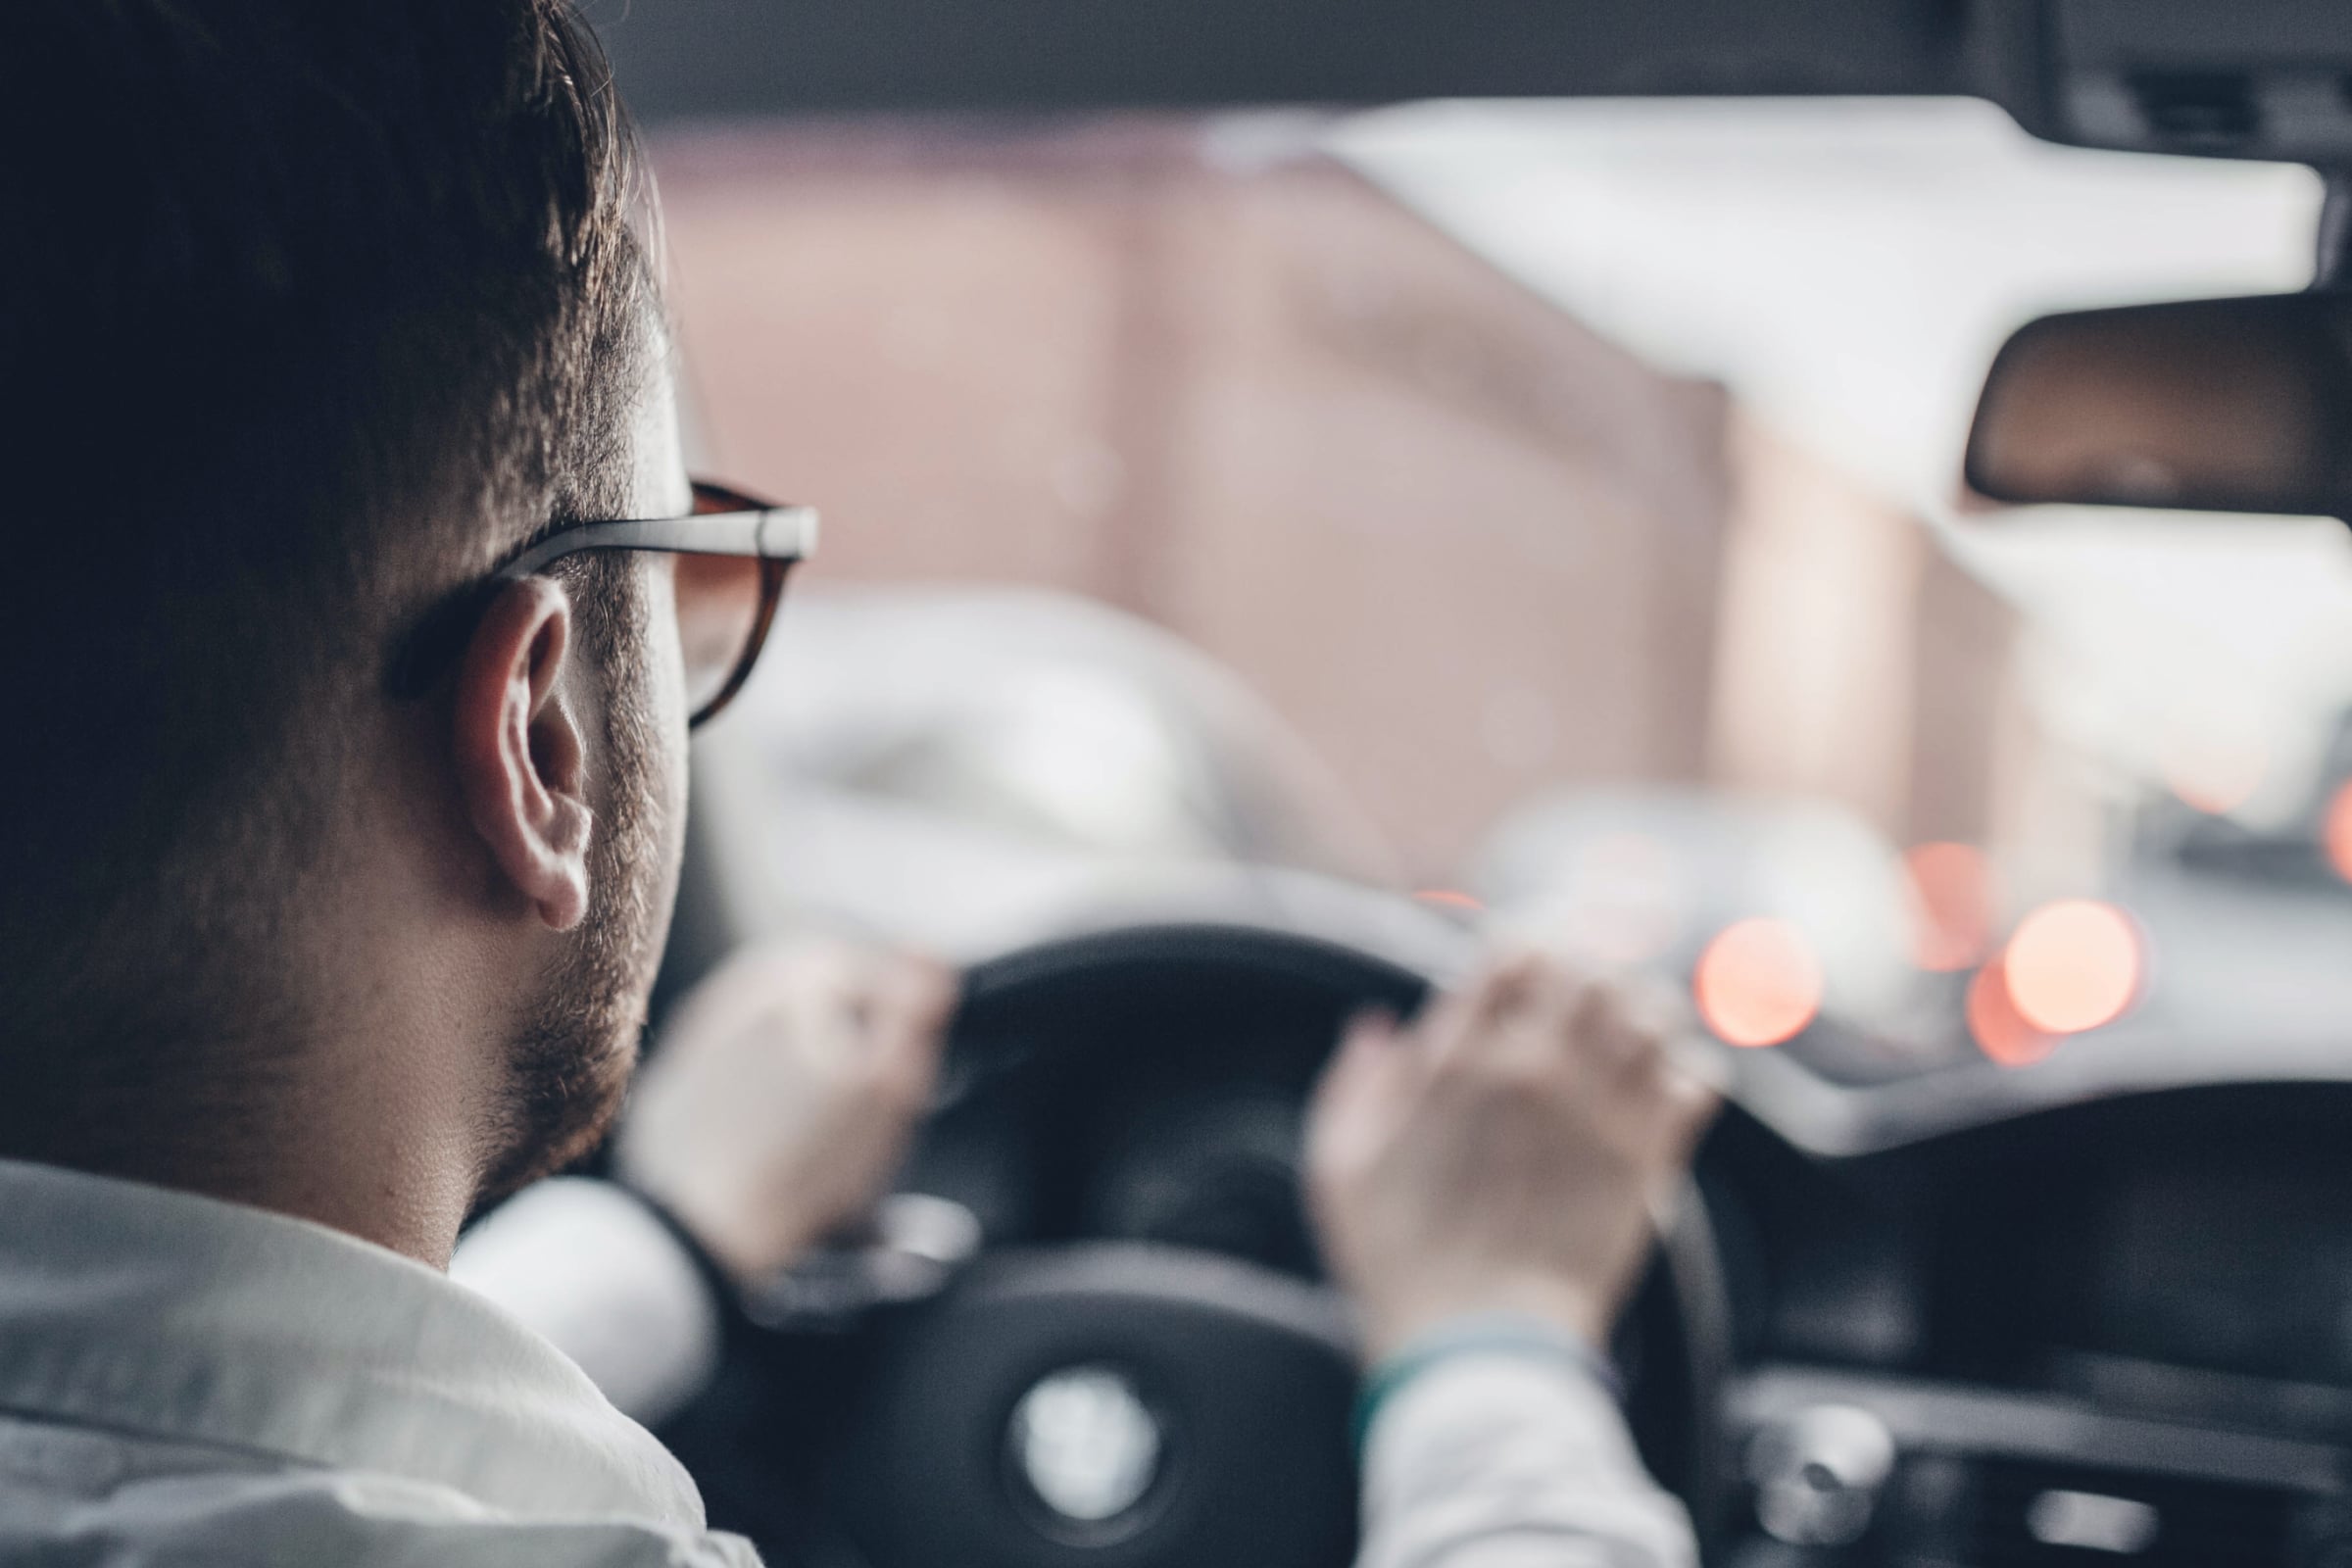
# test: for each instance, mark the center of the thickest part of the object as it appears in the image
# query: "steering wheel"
(1087, 1401)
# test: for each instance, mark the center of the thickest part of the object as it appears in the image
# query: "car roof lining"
(687, 59)
(2270, 81)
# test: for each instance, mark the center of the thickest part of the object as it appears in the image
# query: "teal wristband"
(1485, 1334)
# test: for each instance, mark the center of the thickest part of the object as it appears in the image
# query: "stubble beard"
(568, 1070)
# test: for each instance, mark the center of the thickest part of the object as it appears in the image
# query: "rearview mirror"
(2238, 405)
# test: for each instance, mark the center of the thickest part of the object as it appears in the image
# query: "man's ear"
(520, 764)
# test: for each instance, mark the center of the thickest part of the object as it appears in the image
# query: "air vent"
(2198, 111)
(2059, 1516)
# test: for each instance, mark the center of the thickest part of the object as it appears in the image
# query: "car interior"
(1501, 587)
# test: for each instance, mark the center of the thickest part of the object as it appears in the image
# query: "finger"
(1479, 1017)
(1593, 1034)
(820, 964)
(1522, 982)
(908, 1026)
(1689, 1107)
(1663, 1105)
(1370, 1039)
(874, 987)
(1347, 1111)
(1377, 1076)
(1547, 1028)
(1448, 1018)
(864, 990)
(824, 1007)
(1629, 1033)
(1653, 1004)
(1698, 1056)
(921, 995)
(734, 995)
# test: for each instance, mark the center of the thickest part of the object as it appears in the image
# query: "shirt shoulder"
(585, 1265)
(70, 1498)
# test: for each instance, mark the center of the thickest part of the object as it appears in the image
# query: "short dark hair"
(296, 294)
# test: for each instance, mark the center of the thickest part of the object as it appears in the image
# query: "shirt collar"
(163, 1313)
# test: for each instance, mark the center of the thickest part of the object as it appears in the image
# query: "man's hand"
(783, 1095)
(1505, 1154)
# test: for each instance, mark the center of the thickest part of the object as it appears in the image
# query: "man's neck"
(375, 1131)
(409, 1193)
(396, 1180)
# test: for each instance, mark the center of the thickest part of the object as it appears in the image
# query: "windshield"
(1550, 512)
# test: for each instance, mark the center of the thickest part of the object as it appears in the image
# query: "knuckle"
(904, 1077)
(878, 1066)
(1518, 1073)
(1513, 961)
(812, 961)
(1645, 1046)
(1507, 979)
(1460, 1075)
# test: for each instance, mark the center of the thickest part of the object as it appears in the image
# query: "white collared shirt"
(186, 1382)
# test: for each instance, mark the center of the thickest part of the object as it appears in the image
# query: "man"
(356, 610)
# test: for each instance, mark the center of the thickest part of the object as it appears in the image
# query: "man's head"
(311, 314)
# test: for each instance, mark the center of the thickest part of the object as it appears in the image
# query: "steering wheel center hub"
(1110, 1402)
(1085, 1447)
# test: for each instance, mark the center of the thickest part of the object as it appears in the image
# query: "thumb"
(1366, 1041)
(1365, 1053)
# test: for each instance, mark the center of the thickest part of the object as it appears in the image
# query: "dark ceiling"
(2242, 78)
(733, 56)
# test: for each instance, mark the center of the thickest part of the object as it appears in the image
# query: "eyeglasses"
(733, 554)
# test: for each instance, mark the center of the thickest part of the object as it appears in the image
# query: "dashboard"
(2115, 1331)
(2111, 1331)
(2203, 1230)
